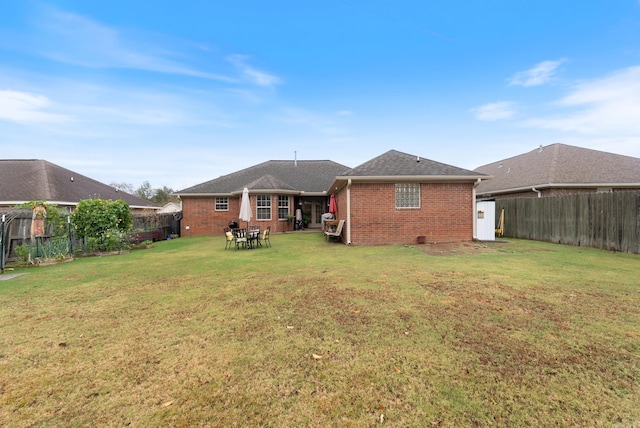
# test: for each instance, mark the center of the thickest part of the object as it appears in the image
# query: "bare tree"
(125, 187)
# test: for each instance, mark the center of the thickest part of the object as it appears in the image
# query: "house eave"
(239, 193)
(559, 186)
(200, 195)
(267, 191)
(69, 204)
(420, 178)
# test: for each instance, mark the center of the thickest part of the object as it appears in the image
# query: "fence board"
(609, 221)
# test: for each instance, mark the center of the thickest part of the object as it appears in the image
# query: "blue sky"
(177, 93)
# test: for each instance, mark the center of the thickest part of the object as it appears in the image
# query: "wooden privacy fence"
(610, 221)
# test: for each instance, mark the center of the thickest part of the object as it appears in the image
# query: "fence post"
(2, 244)
(70, 237)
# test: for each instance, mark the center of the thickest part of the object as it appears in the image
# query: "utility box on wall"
(486, 220)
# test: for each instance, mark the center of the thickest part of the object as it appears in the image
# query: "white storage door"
(486, 220)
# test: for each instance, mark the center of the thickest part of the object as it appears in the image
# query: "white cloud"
(538, 75)
(255, 76)
(24, 107)
(608, 105)
(75, 39)
(495, 111)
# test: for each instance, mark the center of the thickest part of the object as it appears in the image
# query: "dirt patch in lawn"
(458, 248)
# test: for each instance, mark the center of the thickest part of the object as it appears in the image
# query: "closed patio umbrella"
(333, 206)
(245, 207)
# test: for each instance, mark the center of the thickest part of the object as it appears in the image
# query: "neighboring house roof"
(282, 176)
(25, 180)
(393, 164)
(560, 166)
(170, 207)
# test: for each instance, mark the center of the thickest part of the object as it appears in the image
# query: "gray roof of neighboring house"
(284, 176)
(25, 180)
(560, 166)
(394, 163)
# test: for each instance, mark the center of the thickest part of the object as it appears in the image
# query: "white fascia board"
(420, 178)
(562, 186)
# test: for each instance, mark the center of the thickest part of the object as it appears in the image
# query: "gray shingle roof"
(559, 165)
(394, 163)
(309, 176)
(25, 180)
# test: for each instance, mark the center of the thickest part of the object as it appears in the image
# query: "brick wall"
(445, 214)
(199, 215)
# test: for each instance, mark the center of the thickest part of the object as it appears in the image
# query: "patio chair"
(330, 235)
(229, 238)
(240, 238)
(253, 236)
(265, 237)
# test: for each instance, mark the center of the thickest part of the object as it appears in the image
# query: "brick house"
(559, 169)
(391, 199)
(277, 188)
(397, 198)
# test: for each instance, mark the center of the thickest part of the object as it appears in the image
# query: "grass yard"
(309, 333)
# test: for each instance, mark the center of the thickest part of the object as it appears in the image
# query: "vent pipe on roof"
(295, 158)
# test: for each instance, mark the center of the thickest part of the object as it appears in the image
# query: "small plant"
(146, 243)
(23, 252)
(111, 240)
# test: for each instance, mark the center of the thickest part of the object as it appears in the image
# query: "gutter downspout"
(537, 191)
(349, 212)
(475, 207)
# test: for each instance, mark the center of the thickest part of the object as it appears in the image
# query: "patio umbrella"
(333, 206)
(245, 207)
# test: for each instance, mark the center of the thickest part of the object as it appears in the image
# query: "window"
(408, 195)
(222, 204)
(263, 207)
(283, 207)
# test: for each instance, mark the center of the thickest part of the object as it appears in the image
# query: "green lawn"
(309, 333)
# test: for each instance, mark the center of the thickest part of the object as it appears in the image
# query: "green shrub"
(103, 224)
(23, 251)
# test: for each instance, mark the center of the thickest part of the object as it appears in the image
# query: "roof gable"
(309, 176)
(397, 164)
(560, 165)
(269, 182)
(25, 180)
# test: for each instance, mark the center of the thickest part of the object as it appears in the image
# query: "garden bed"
(151, 235)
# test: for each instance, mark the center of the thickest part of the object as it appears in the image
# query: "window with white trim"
(263, 207)
(222, 204)
(283, 207)
(407, 195)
